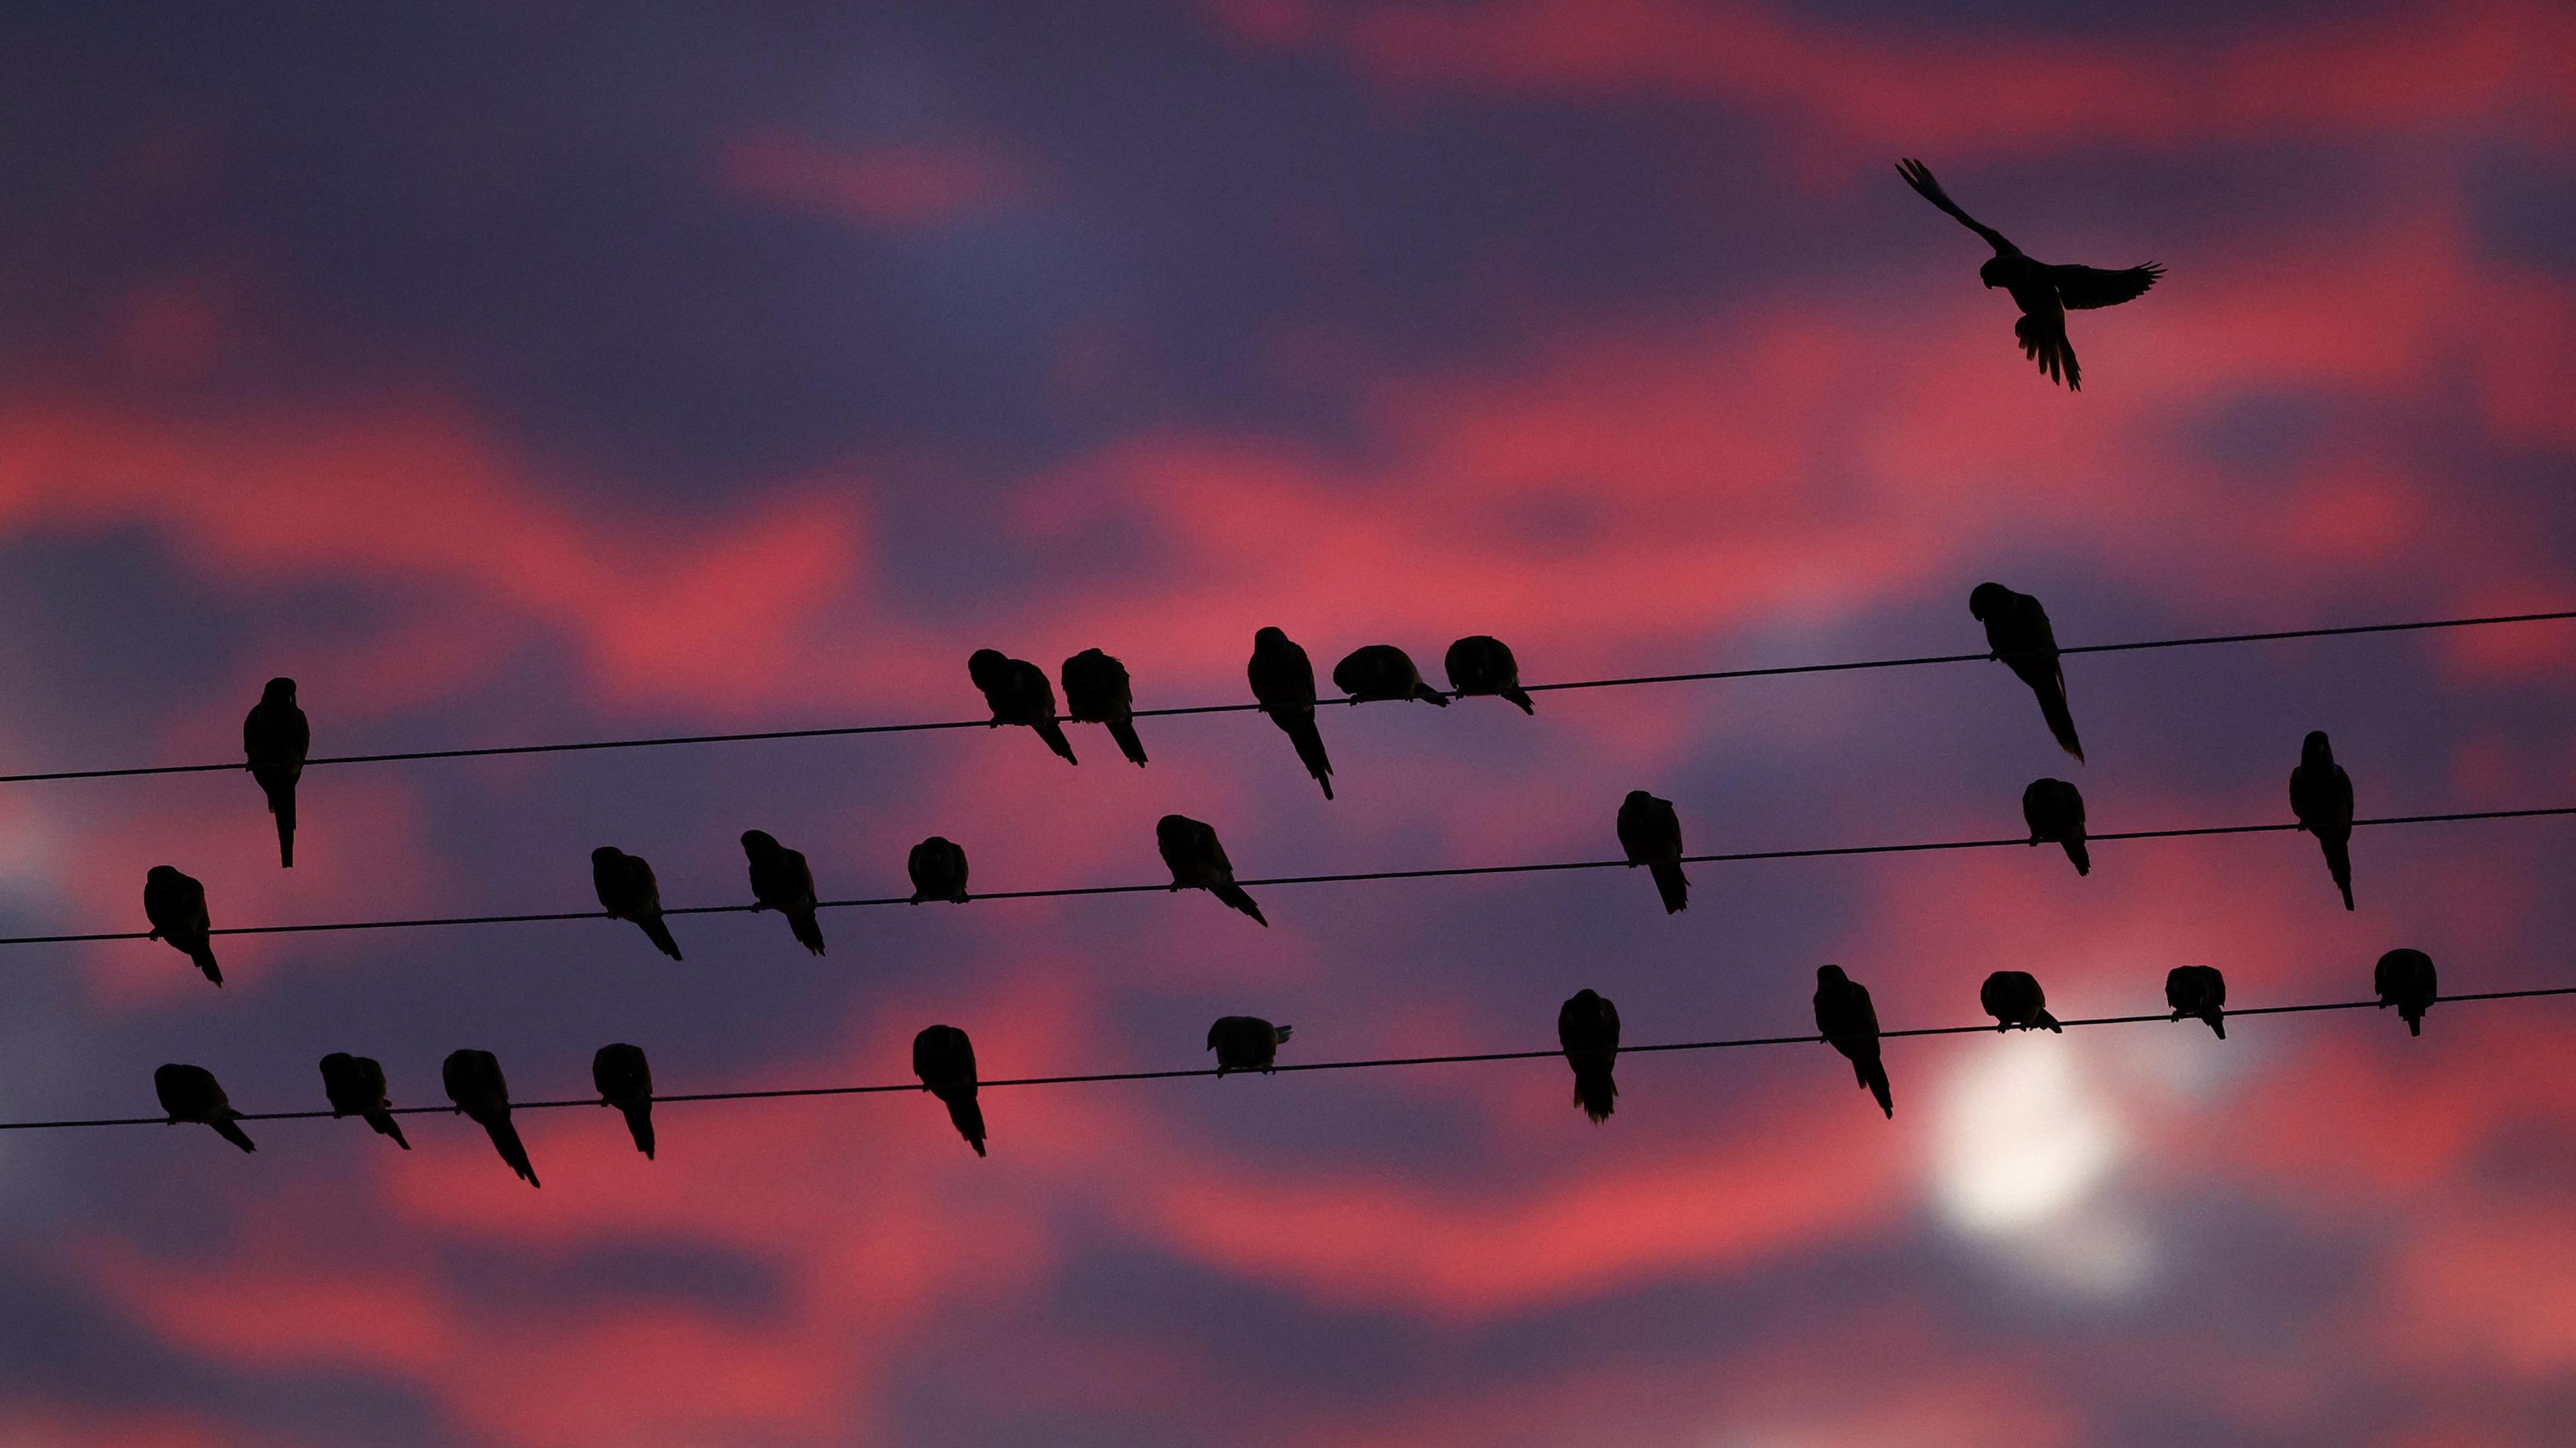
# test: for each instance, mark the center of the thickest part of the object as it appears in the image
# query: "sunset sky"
(509, 373)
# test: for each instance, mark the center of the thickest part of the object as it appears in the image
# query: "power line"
(1704, 676)
(1348, 877)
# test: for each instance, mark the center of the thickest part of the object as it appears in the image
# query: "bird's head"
(1988, 599)
(985, 666)
(1269, 638)
(1585, 999)
(1830, 975)
(163, 875)
(279, 691)
(758, 842)
(1992, 273)
(2315, 750)
(606, 855)
(1174, 829)
(1638, 799)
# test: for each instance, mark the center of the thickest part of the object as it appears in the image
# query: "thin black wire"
(1366, 1063)
(1774, 671)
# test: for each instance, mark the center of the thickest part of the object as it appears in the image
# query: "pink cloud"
(890, 187)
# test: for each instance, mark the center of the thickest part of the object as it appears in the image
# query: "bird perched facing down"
(782, 881)
(1197, 860)
(473, 1082)
(356, 1087)
(2054, 810)
(176, 906)
(2406, 980)
(1246, 1043)
(2017, 632)
(945, 1061)
(1383, 671)
(1283, 683)
(2044, 293)
(2200, 992)
(275, 738)
(625, 1081)
(1587, 1026)
(1096, 691)
(2321, 796)
(1651, 833)
(938, 870)
(627, 891)
(1019, 693)
(189, 1093)
(1849, 1023)
(2013, 998)
(1483, 664)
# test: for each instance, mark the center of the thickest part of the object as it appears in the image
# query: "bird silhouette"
(2321, 796)
(945, 1061)
(1246, 1043)
(2044, 293)
(1197, 860)
(275, 738)
(2017, 632)
(1587, 1027)
(625, 1081)
(938, 870)
(2406, 980)
(356, 1087)
(782, 881)
(189, 1094)
(1482, 664)
(1383, 671)
(1019, 693)
(1651, 833)
(1096, 691)
(627, 891)
(2200, 992)
(1283, 683)
(2013, 998)
(2054, 810)
(176, 906)
(473, 1082)
(1849, 1023)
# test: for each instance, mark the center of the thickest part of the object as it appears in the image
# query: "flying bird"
(625, 1081)
(1587, 1027)
(938, 870)
(1019, 693)
(1383, 671)
(189, 1094)
(945, 1061)
(2013, 998)
(2017, 633)
(275, 739)
(2321, 796)
(1096, 691)
(1283, 683)
(356, 1087)
(2054, 810)
(1246, 1043)
(2044, 293)
(782, 881)
(2200, 992)
(2406, 980)
(627, 892)
(1651, 833)
(1849, 1023)
(1482, 664)
(176, 906)
(473, 1082)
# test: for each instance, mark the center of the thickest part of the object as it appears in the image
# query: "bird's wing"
(1919, 176)
(2082, 287)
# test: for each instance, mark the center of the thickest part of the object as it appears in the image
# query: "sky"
(509, 373)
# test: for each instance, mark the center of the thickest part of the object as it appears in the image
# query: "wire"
(1775, 671)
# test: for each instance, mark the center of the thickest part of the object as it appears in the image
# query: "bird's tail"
(1310, 749)
(660, 935)
(2045, 343)
(505, 1140)
(969, 1118)
(385, 1125)
(2047, 1022)
(1053, 734)
(1430, 695)
(2217, 1022)
(2414, 1015)
(2061, 721)
(809, 931)
(2083, 857)
(2338, 850)
(281, 803)
(1233, 895)
(1873, 1074)
(1520, 696)
(231, 1131)
(639, 1124)
(1124, 731)
(1594, 1090)
(1672, 885)
(203, 953)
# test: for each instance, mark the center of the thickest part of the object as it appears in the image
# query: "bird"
(627, 892)
(1246, 1043)
(625, 1081)
(2198, 991)
(1587, 1027)
(356, 1087)
(1849, 1023)
(1019, 693)
(1096, 691)
(945, 1061)
(2054, 810)
(1383, 671)
(2017, 633)
(1652, 835)
(782, 881)
(1483, 664)
(2321, 796)
(2013, 998)
(938, 870)
(2044, 293)
(1197, 860)
(473, 1082)
(2406, 980)
(1283, 683)
(275, 739)
(176, 906)
(190, 1094)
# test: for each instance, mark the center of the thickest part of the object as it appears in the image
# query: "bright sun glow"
(2020, 1140)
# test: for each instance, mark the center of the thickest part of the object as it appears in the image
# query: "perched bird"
(2054, 810)
(1246, 1043)
(189, 1093)
(1197, 860)
(2044, 293)
(276, 739)
(945, 1061)
(1849, 1023)
(1483, 664)
(2017, 632)
(473, 1081)
(625, 1081)
(1383, 671)
(2200, 992)
(782, 881)
(176, 906)
(938, 870)
(356, 1087)
(1096, 691)
(1587, 1026)
(2013, 998)
(1283, 682)
(2321, 796)
(1652, 835)
(627, 892)
(1019, 693)
(2406, 980)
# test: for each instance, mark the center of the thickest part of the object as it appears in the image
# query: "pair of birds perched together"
(781, 880)
(943, 1058)
(1587, 1030)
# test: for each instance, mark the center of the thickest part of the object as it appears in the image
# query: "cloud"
(892, 187)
